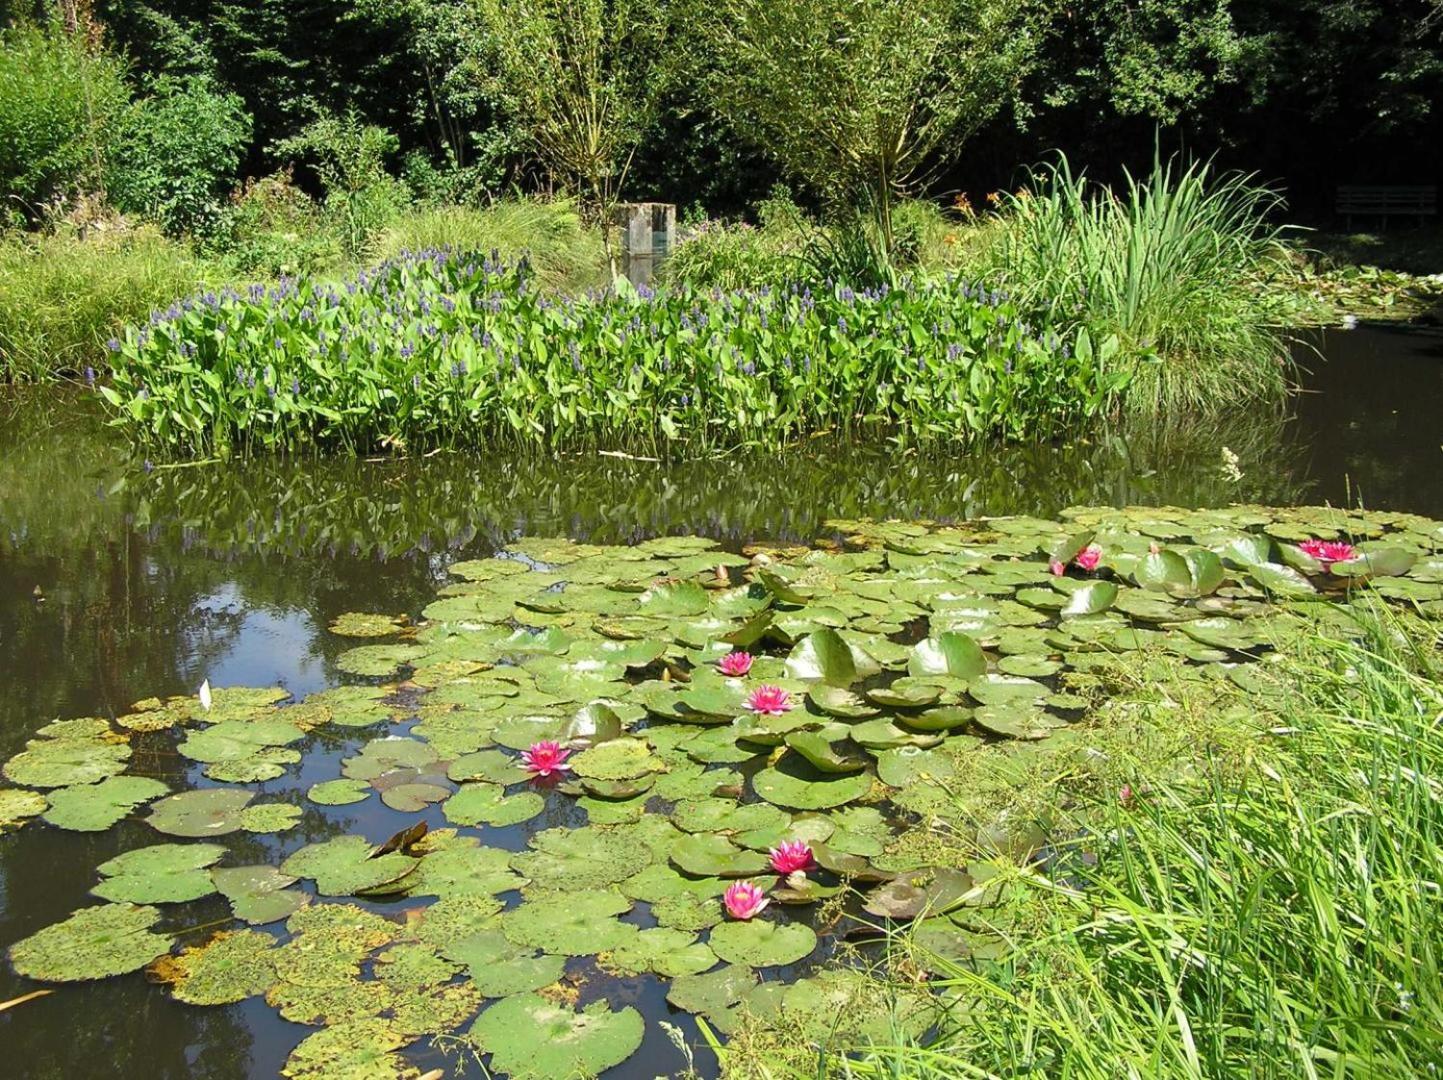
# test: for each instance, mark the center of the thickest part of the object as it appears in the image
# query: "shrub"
(177, 153)
(349, 157)
(444, 349)
(58, 100)
(1177, 267)
(273, 228)
(63, 296)
(565, 253)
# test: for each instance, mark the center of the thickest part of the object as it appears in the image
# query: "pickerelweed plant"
(451, 349)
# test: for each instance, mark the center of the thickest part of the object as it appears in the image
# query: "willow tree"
(857, 97)
(580, 78)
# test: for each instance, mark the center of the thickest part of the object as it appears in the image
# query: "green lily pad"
(908, 765)
(270, 817)
(362, 625)
(1090, 599)
(258, 894)
(582, 859)
(93, 943)
(617, 759)
(344, 866)
(933, 892)
(825, 754)
(208, 812)
(339, 792)
(500, 968)
(712, 994)
(760, 943)
(361, 1049)
(576, 923)
(489, 765)
(707, 855)
(53, 763)
(795, 784)
(160, 874)
(532, 1038)
(1281, 580)
(663, 951)
(949, 653)
(488, 804)
(18, 806)
(230, 967)
(825, 656)
(96, 807)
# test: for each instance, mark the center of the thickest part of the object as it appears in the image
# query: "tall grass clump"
(63, 295)
(566, 254)
(1178, 265)
(449, 349)
(1273, 914)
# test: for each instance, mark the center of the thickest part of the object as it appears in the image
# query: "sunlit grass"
(1266, 904)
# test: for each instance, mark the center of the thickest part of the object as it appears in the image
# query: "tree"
(581, 79)
(857, 97)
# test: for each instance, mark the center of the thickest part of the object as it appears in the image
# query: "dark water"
(154, 580)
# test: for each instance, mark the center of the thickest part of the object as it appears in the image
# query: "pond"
(120, 582)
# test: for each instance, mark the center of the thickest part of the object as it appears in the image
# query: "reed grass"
(1184, 265)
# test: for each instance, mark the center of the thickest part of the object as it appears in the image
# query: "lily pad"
(363, 625)
(270, 817)
(258, 894)
(532, 1038)
(358, 1050)
(663, 951)
(488, 804)
(707, 855)
(581, 859)
(579, 923)
(230, 967)
(797, 785)
(949, 653)
(617, 759)
(207, 812)
(93, 943)
(160, 874)
(339, 792)
(96, 807)
(344, 866)
(18, 806)
(53, 763)
(500, 968)
(761, 943)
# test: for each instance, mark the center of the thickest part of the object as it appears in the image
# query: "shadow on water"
(149, 581)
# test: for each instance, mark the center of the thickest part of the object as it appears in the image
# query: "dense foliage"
(447, 349)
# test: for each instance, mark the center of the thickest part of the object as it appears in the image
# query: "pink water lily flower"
(1055, 568)
(744, 900)
(769, 701)
(735, 663)
(544, 758)
(1327, 552)
(1088, 558)
(791, 855)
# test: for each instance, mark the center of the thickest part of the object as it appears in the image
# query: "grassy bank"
(449, 349)
(1252, 888)
(67, 290)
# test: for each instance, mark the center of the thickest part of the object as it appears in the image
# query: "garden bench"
(1418, 201)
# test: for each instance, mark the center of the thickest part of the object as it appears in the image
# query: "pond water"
(120, 582)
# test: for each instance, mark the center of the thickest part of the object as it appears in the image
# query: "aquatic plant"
(1184, 265)
(545, 758)
(791, 856)
(769, 701)
(1327, 551)
(735, 664)
(924, 665)
(451, 349)
(744, 900)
